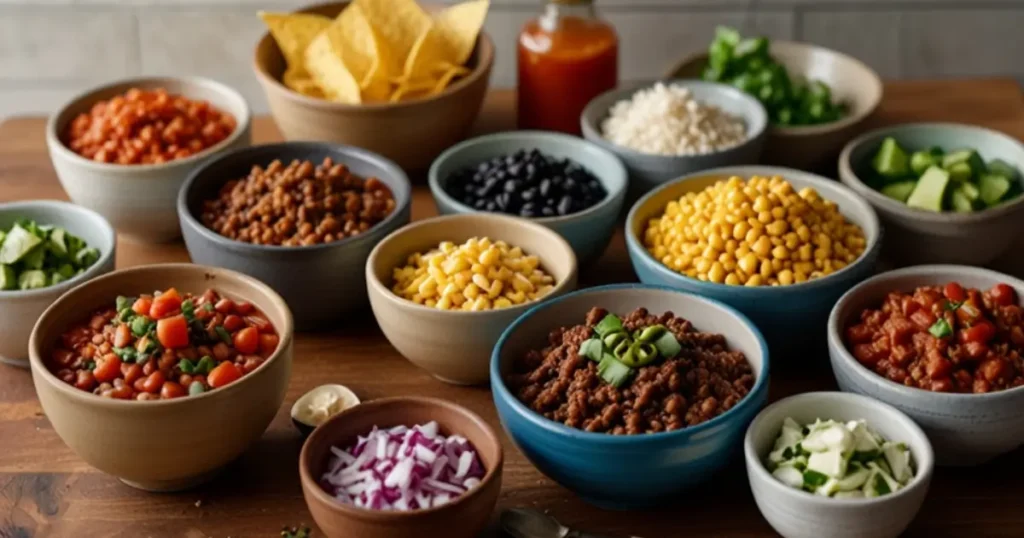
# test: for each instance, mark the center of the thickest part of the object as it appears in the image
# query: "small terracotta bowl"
(464, 517)
(455, 345)
(163, 445)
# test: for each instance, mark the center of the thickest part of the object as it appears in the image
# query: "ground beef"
(703, 381)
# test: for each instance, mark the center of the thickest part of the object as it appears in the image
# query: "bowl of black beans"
(565, 183)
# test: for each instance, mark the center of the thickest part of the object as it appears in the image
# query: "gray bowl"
(588, 231)
(19, 310)
(647, 171)
(965, 429)
(919, 236)
(321, 283)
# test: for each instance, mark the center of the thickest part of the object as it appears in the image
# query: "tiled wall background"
(49, 49)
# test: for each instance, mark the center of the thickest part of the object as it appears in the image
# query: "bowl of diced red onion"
(400, 467)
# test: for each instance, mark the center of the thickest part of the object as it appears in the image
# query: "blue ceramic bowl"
(793, 317)
(625, 472)
(588, 231)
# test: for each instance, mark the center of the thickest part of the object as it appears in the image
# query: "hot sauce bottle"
(567, 56)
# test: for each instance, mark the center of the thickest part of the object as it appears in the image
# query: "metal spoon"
(527, 523)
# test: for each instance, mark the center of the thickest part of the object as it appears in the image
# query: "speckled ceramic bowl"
(322, 283)
(791, 317)
(795, 513)
(966, 429)
(627, 471)
(588, 231)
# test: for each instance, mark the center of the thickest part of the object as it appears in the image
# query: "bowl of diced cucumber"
(46, 248)
(946, 193)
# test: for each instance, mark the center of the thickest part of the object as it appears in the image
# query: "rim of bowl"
(242, 124)
(499, 387)
(60, 206)
(847, 173)
(39, 368)
(484, 44)
(921, 478)
(437, 185)
(634, 244)
(758, 122)
(836, 341)
(512, 223)
(305, 475)
(388, 165)
(811, 130)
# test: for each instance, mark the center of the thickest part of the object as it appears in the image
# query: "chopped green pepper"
(941, 328)
(223, 334)
(186, 366)
(610, 324)
(205, 365)
(140, 325)
(188, 309)
(651, 333)
(613, 372)
(122, 303)
(667, 345)
(592, 349)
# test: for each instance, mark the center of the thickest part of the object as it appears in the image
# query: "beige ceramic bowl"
(411, 133)
(816, 146)
(162, 445)
(464, 517)
(455, 346)
(140, 200)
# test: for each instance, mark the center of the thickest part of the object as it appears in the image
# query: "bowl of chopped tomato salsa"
(160, 375)
(944, 344)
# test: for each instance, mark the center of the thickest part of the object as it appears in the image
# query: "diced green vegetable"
(32, 279)
(966, 156)
(122, 302)
(789, 475)
(930, 190)
(1000, 167)
(891, 160)
(592, 349)
(224, 335)
(923, 160)
(18, 243)
(8, 278)
(140, 325)
(35, 258)
(609, 324)
(941, 328)
(196, 388)
(960, 202)
(28, 246)
(87, 257)
(205, 365)
(58, 244)
(613, 372)
(56, 278)
(814, 479)
(993, 188)
(969, 191)
(899, 191)
(960, 172)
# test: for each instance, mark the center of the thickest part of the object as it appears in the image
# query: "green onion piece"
(941, 328)
(186, 366)
(951, 306)
(188, 309)
(125, 314)
(612, 340)
(224, 334)
(613, 372)
(123, 302)
(208, 307)
(667, 345)
(591, 349)
(196, 388)
(140, 325)
(652, 333)
(610, 324)
(643, 353)
(126, 354)
(814, 479)
(205, 365)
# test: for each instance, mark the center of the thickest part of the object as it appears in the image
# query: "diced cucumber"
(833, 437)
(891, 160)
(992, 188)
(969, 156)
(790, 424)
(960, 202)
(3, 234)
(898, 458)
(899, 191)
(828, 488)
(881, 471)
(923, 160)
(831, 463)
(800, 462)
(86, 257)
(930, 190)
(35, 257)
(17, 244)
(854, 480)
(970, 191)
(57, 278)
(789, 476)
(1000, 167)
(8, 278)
(57, 243)
(32, 279)
(960, 172)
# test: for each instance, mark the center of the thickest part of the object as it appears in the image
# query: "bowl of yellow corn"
(778, 244)
(444, 289)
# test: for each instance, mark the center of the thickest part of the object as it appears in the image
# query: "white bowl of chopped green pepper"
(837, 464)
(46, 248)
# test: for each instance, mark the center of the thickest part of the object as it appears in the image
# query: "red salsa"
(165, 345)
(944, 338)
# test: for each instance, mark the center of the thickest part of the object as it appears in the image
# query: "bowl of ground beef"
(945, 345)
(629, 394)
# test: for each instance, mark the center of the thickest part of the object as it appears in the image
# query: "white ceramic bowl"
(966, 429)
(795, 513)
(19, 310)
(140, 200)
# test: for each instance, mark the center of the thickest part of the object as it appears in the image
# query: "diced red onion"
(403, 468)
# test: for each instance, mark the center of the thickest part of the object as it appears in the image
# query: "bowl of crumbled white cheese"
(665, 130)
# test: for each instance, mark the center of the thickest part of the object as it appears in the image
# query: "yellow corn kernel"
(785, 277)
(489, 256)
(501, 302)
(732, 280)
(521, 283)
(716, 273)
(516, 297)
(754, 280)
(427, 287)
(766, 269)
(481, 281)
(495, 289)
(471, 291)
(780, 253)
(481, 303)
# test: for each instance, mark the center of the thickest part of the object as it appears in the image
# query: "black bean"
(545, 187)
(564, 205)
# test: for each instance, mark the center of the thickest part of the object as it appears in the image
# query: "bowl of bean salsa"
(127, 362)
(943, 343)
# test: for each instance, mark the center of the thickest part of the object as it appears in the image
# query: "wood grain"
(46, 491)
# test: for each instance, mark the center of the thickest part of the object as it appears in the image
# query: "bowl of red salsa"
(160, 375)
(944, 344)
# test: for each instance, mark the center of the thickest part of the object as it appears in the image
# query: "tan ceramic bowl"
(162, 445)
(411, 133)
(464, 517)
(455, 346)
(812, 147)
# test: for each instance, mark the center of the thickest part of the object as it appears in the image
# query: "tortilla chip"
(429, 54)
(453, 72)
(458, 27)
(330, 72)
(293, 33)
(399, 24)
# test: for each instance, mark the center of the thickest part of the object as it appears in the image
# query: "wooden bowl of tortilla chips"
(389, 76)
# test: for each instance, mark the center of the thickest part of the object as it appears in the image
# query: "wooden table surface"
(46, 491)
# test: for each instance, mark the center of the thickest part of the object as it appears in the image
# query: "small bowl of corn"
(444, 289)
(777, 244)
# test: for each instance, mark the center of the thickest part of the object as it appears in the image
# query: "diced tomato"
(1003, 294)
(247, 340)
(867, 354)
(899, 330)
(980, 332)
(107, 369)
(975, 350)
(937, 367)
(923, 319)
(859, 334)
(172, 332)
(167, 303)
(268, 343)
(968, 312)
(226, 372)
(260, 322)
(244, 308)
(142, 305)
(171, 389)
(233, 323)
(955, 292)
(992, 369)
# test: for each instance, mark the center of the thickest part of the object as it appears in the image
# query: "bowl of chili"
(125, 148)
(127, 362)
(945, 345)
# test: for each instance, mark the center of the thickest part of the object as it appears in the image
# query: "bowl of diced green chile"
(817, 99)
(46, 248)
(946, 193)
